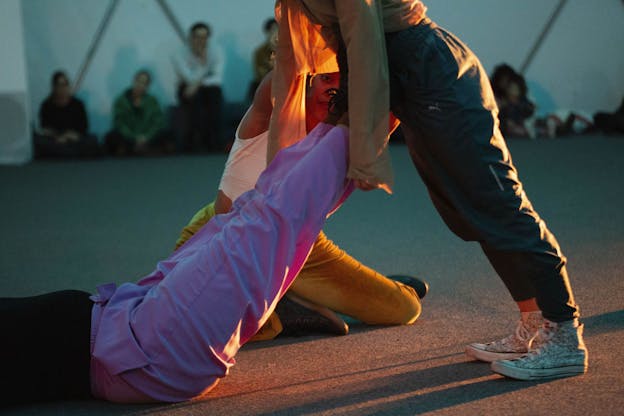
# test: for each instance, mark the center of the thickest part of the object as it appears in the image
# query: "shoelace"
(545, 334)
(522, 333)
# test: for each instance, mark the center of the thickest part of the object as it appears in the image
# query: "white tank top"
(244, 165)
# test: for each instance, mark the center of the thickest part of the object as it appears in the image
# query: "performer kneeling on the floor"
(331, 280)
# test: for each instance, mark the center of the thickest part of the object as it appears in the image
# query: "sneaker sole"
(538, 374)
(489, 357)
(340, 326)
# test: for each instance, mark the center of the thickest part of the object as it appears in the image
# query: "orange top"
(307, 44)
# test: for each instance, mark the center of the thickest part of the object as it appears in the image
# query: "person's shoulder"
(262, 95)
(258, 50)
(263, 48)
(151, 99)
(123, 97)
(77, 102)
(47, 102)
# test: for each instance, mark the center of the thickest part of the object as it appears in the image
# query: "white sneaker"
(563, 354)
(513, 346)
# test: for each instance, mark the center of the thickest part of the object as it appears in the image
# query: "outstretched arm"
(300, 49)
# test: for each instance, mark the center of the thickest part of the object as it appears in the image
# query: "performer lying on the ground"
(331, 280)
(174, 334)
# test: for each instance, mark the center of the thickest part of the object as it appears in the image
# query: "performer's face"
(320, 90)
(199, 40)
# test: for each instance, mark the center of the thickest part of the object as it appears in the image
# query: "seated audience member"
(199, 68)
(63, 124)
(264, 55)
(515, 109)
(138, 121)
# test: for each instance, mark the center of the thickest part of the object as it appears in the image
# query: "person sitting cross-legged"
(138, 121)
(63, 124)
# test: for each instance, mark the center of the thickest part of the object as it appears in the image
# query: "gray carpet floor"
(76, 224)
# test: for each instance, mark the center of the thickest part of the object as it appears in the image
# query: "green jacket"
(131, 121)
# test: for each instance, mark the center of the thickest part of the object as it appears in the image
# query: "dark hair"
(144, 72)
(519, 79)
(268, 23)
(200, 25)
(504, 71)
(57, 75)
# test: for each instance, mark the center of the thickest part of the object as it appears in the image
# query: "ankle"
(531, 315)
(528, 305)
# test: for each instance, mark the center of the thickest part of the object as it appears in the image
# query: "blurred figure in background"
(63, 124)
(264, 55)
(200, 72)
(138, 121)
(515, 109)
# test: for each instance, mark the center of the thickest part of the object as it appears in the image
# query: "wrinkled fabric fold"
(174, 334)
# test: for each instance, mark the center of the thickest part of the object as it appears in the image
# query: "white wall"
(578, 67)
(59, 33)
(14, 114)
(581, 62)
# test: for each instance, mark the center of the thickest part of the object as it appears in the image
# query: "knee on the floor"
(410, 312)
(404, 312)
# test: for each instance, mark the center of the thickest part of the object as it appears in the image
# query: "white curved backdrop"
(578, 67)
(15, 145)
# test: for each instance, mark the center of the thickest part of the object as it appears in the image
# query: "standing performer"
(438, 89)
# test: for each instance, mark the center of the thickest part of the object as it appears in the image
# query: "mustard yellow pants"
(335, 280)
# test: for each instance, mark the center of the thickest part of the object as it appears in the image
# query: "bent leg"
(442, 96)
(243, 262)
(334, 279)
